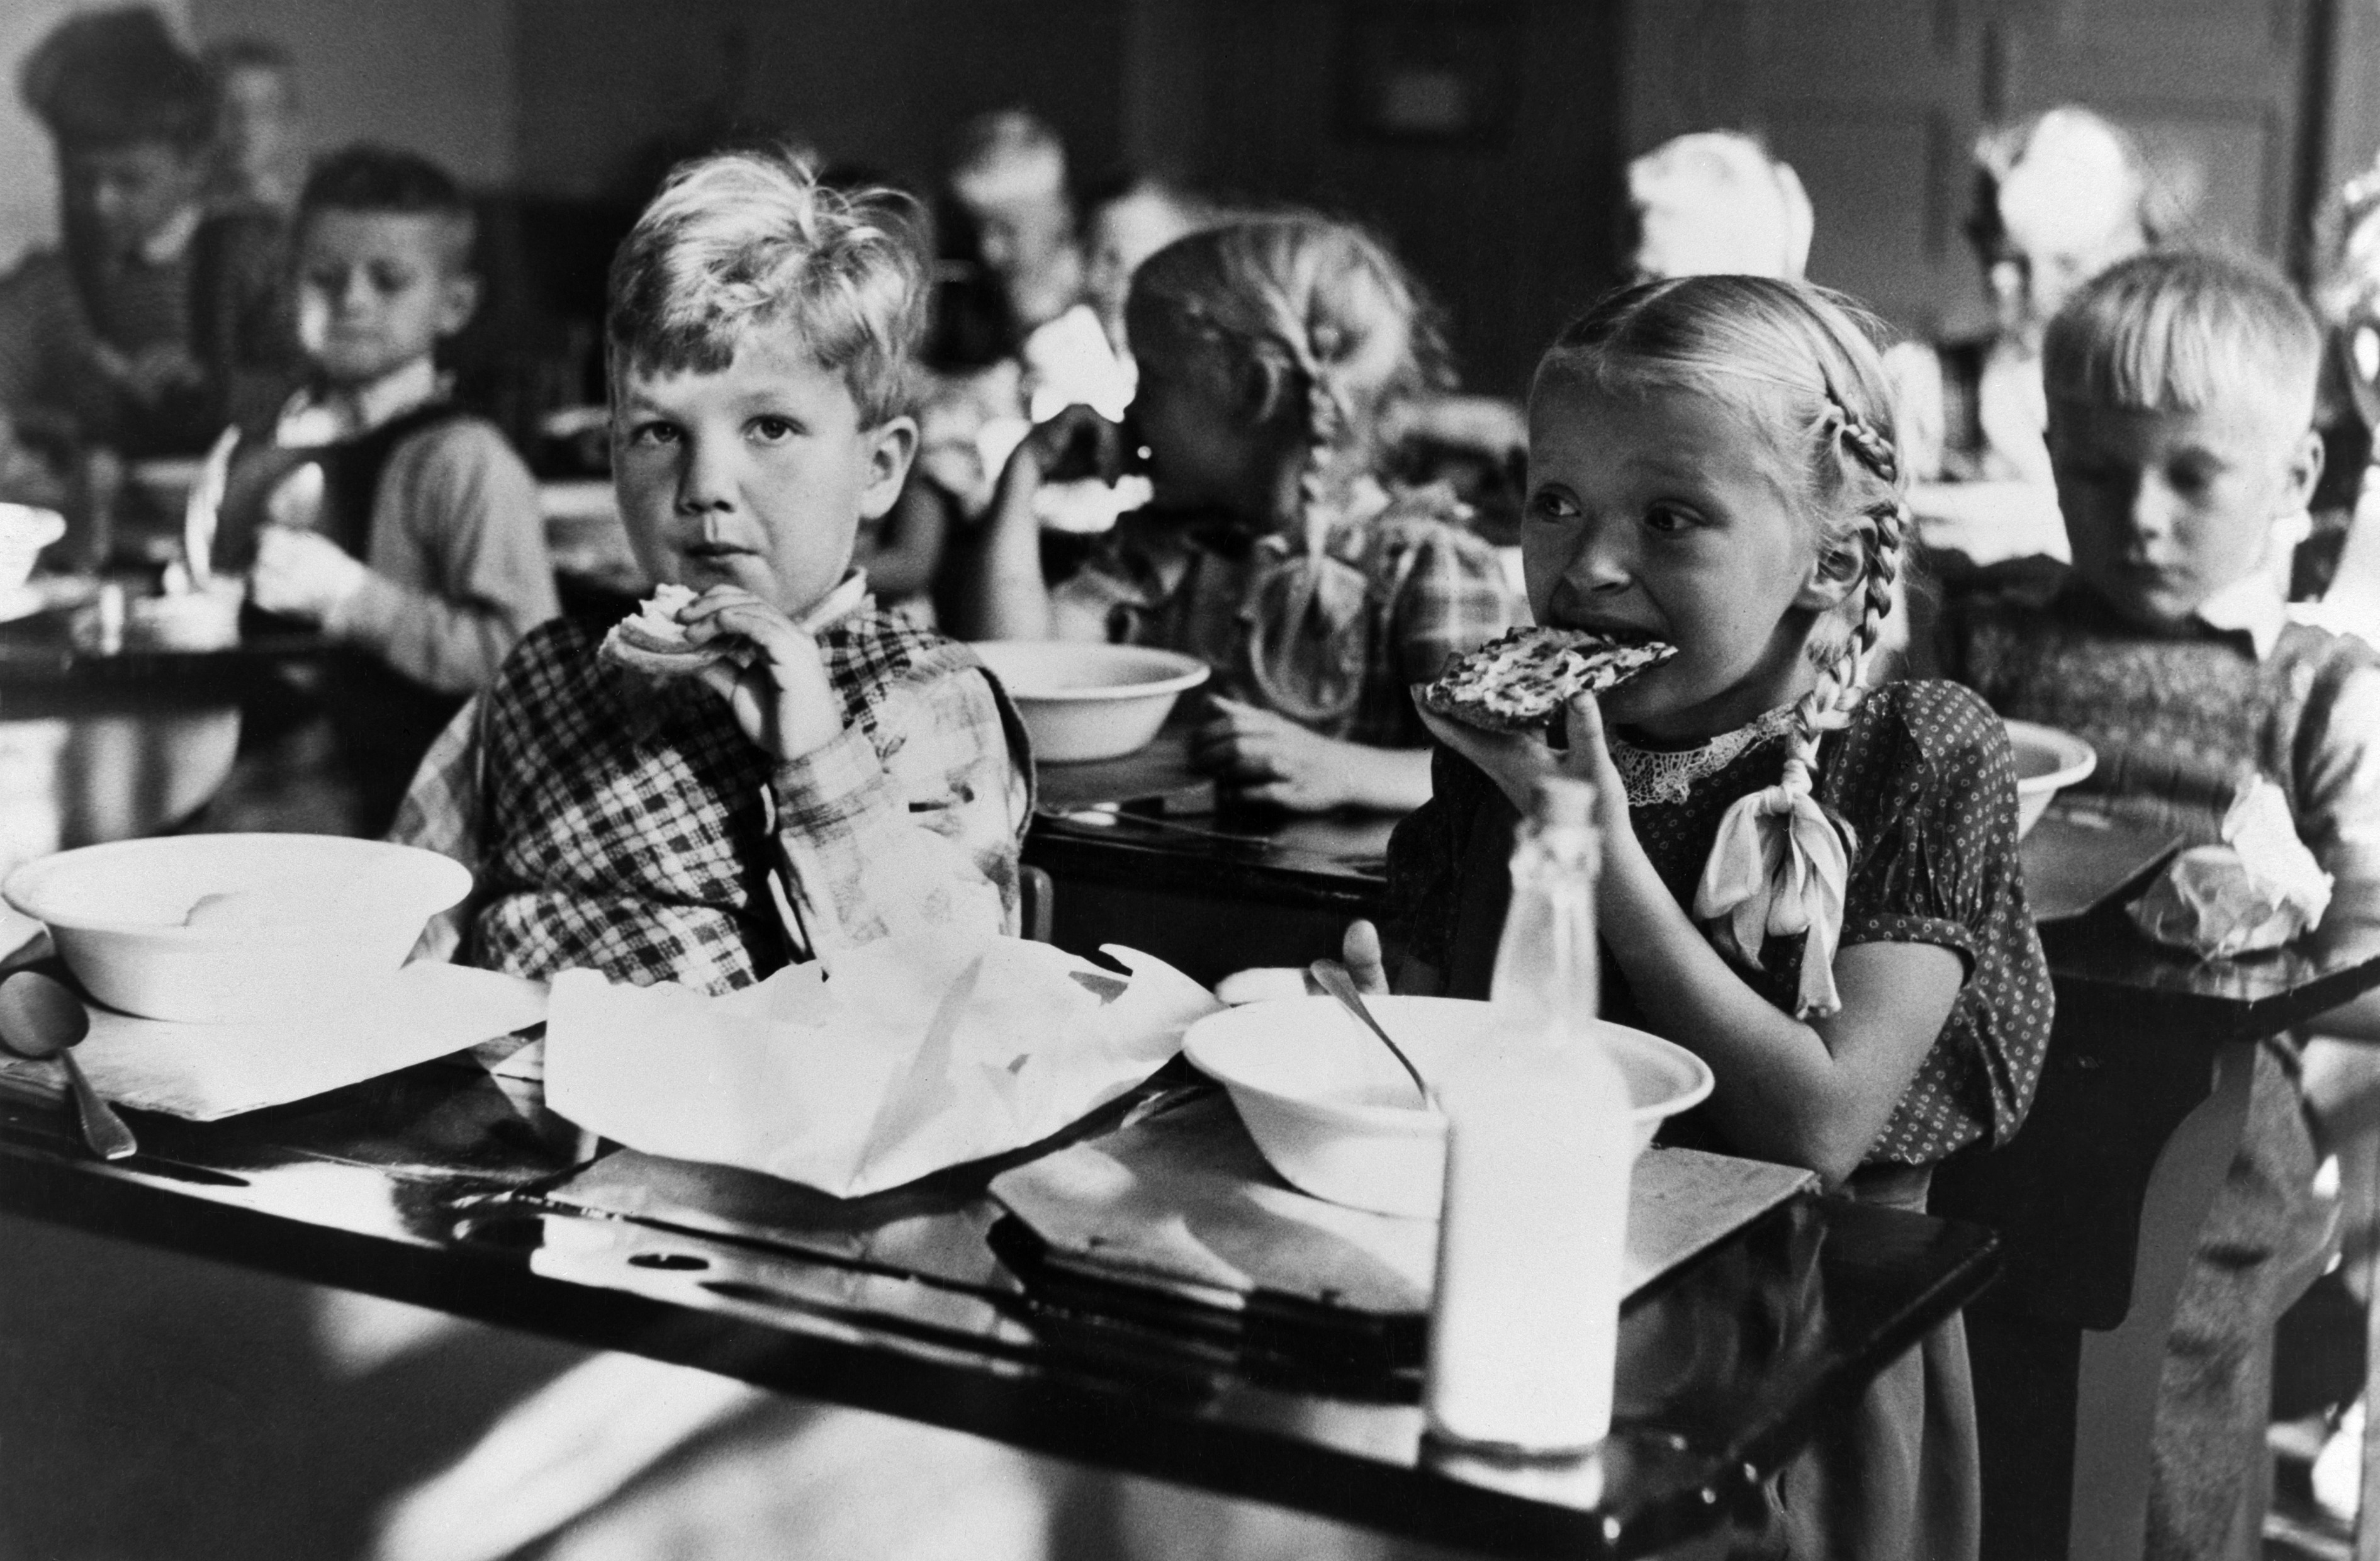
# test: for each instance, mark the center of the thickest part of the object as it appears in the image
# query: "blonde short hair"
(2174, 330)
(1770, 219)
(747, 239)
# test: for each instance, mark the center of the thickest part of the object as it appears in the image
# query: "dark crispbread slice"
(1522, 677)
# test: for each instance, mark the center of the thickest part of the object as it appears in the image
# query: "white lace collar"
(1667, 774)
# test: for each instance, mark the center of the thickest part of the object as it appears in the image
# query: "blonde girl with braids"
(1810, 882)
(1275, 356)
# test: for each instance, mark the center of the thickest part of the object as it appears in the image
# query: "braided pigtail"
(1781, 864)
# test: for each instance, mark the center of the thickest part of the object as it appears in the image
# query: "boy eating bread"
(758, 767)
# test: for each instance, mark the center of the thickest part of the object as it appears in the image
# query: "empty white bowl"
(2047, 761)
(215, 928)
(25, 530)
(1333, 1113)
(1083, 701)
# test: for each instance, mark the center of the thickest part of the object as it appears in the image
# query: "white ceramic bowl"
(290, 923)
(1083, 701)
(2047, 761)
(24, 531)
(1333, 1113)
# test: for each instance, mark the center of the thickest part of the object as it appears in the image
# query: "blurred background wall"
(574, 106)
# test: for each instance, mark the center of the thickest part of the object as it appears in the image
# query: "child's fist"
(779, 696)
(302, 574)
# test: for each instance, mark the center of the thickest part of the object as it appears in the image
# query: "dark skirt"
(1899, 1475)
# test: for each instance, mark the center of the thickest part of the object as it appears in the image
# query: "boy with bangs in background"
(846, 775)
(2181, 395)
(376, 509)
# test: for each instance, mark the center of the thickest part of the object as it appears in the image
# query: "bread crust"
(1523, 678)
(651, 641)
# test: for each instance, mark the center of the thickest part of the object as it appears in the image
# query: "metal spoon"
(1334, 980)
(40, 1017)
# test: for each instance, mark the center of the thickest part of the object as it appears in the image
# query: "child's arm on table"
(923, 839)
(1261, 757)
(1813, 1093)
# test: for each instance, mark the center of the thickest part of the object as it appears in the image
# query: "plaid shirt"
(1331, 636)
(630, 827)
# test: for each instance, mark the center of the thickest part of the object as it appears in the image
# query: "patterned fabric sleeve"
(1942, 868)
(441, 812)
(917, 829)
(1456, 597)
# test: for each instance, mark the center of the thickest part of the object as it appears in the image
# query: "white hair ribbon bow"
(1780, 866)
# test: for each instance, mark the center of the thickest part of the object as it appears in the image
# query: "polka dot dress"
(1925, 778)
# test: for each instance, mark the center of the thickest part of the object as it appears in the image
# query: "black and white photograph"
(1189, 780)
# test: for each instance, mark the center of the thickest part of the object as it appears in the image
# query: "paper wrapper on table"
(894, 1060)
(2258, 890)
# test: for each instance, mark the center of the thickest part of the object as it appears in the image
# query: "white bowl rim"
(1191, 673)
(2077, 758)
(24, 879)
(1412, 1123)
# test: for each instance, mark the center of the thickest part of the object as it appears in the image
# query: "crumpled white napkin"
(2258, 890)
(891, 1060)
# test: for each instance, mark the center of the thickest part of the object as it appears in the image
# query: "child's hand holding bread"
(766, 666)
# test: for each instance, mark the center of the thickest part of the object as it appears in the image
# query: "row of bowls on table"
(221, 928)
(1083, 702)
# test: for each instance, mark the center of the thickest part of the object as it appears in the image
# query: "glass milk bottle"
(1539, 1147)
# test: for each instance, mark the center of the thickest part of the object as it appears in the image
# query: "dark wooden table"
(2101, 1196)
(1139, 843)
(435, 1187)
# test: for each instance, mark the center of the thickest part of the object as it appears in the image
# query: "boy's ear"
(2305, 470)
(892, 444)
(458, 300)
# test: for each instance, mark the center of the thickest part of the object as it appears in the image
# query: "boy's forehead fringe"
(744, 243)
(2179, 347)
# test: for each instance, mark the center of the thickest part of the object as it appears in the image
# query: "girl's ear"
(892, 445)
(1834, 574)
(1259, 385)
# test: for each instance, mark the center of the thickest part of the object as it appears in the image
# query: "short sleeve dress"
(1925, 776)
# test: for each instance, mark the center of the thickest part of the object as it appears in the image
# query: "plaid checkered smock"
(1331, 636)
(629, 827)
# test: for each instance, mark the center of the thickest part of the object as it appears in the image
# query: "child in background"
(259, 142)
(425, 545)
(1716, 203)
(1130, 220)
(153, 322)
(1273, 356)
(1712, 464)
(2181, 393)
(379, 509)
(850, 776)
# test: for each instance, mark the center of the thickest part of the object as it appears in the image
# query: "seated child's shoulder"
(1425, 521)
(1931, 733)
(461, 442)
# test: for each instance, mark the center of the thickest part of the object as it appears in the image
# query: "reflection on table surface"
(437, 1186)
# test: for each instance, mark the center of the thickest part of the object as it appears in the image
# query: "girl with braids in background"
(1275, 356)
(1811, 884)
